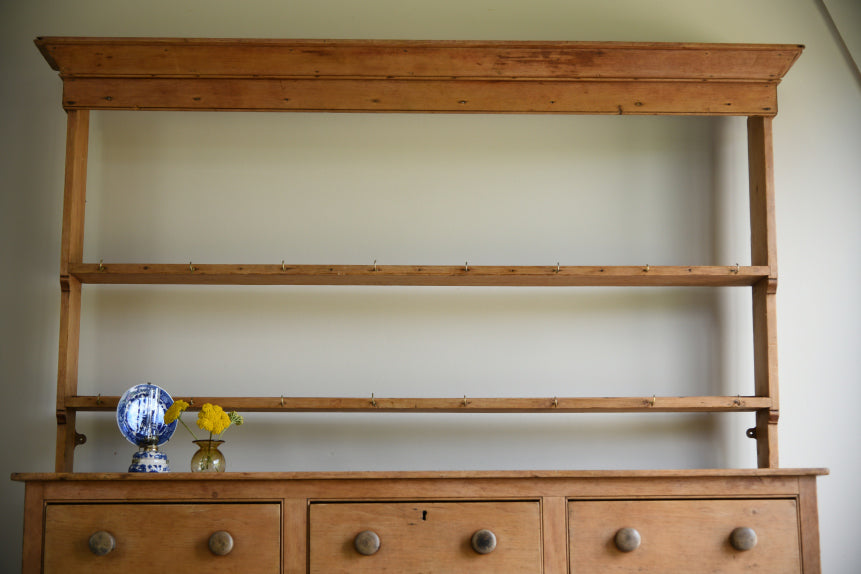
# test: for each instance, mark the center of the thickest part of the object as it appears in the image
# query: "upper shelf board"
(419, 76)
(436, 275)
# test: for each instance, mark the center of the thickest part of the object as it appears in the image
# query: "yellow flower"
(212, 418)
(174, 411)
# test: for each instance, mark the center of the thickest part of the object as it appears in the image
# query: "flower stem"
(189, 430)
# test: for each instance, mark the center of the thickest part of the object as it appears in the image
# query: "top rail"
(419, 76)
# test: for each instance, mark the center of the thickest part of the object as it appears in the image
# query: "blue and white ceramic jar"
(149, 459)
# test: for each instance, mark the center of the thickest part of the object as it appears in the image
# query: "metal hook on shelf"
(191, 267)
(555, 402)
(282, 400)
(283, 266)
(647, 268)
(375, 264)
(735, 270)
(557, 267)
(466, 266)
(652, 401)
(373, 400)
(101, 267)
(99, 399)
(465, 402)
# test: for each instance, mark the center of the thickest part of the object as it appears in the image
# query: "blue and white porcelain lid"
(140, 415)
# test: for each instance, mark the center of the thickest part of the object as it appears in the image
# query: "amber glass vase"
(208, 458)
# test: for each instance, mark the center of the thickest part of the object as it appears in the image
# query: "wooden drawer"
(162, 537)
(425, 537)
(684, 536)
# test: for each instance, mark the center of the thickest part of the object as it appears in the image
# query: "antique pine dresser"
(553, 521)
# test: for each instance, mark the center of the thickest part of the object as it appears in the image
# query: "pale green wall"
(437, 189)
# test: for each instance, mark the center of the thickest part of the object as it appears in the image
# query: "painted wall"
(259, 188)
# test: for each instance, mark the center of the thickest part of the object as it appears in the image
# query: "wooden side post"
(809, 525)
(764, 252)
(71, 252)
(34, 523)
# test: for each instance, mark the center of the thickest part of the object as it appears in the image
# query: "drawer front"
(162, 537)
(425, 537)
(684, 536)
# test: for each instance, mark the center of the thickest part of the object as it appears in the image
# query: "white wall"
(437, 189)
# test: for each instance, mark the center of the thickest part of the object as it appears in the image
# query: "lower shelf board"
(456, 405)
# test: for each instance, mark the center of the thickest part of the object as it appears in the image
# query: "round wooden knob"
(367, 543)
(484, 541)
(743, 538)
(627, 539)
(221, 543)
(102, 543)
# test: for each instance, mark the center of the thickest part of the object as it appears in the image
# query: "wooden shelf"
(463, 275)
(644, 78)
(432, 77)
(710, 404)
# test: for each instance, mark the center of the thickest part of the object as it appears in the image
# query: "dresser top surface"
(383, 475)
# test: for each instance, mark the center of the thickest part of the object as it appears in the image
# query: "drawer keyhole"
(424, 514)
